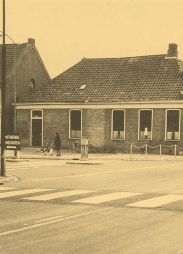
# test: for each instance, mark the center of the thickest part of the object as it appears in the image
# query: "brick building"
(23, 66)
(112, 102)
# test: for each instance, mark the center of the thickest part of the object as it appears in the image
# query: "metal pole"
(15, 96)
(3, 95)
(15, 99)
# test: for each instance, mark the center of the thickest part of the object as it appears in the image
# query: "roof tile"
(12, 50)
(142, 78)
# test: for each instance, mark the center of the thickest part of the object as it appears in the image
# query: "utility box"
(84, 149)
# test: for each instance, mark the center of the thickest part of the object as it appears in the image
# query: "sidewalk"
(35, 153)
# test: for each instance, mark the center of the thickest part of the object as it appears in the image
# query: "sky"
(66, 31)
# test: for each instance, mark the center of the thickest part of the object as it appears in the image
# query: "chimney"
(172, 50)
(31, 41)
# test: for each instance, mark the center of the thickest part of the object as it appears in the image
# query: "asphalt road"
(68, 224)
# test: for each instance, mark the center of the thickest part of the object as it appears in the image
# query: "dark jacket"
(57, 142)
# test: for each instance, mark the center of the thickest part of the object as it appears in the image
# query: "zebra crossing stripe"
(158, 201)
(21, 192)
(24, 166)
(59, 195)
(107, 197)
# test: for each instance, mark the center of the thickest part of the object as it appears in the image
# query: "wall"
(97, 128)
(23, 126)
(30, 68)
(56, 121)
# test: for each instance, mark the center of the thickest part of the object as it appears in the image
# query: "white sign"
(12, 137)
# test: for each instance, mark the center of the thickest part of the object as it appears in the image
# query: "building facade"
(112, 102)
(24, 66)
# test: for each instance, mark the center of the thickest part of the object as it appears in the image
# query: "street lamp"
(3, 95)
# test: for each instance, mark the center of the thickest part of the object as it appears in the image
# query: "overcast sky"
(66, 31)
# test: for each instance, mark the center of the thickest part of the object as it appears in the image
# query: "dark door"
(36, 132)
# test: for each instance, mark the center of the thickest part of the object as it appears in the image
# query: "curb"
(16, 160)
(85, 163)
(8, 179)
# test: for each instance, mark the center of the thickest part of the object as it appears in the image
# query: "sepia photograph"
(91, 102)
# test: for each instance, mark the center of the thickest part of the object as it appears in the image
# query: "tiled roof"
(143, 78)
(10, 49)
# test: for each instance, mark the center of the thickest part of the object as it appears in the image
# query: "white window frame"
(112, 137)
(70, 123)
(31, 124)
(150, 137)
(178, 139)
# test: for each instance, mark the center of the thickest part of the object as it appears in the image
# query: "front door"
(36, 132)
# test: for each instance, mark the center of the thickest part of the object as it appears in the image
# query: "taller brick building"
(113, 102)
(23, 67)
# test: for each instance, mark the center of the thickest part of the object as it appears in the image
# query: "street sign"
(12, 141)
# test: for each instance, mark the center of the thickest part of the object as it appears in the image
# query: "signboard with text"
(12, 141)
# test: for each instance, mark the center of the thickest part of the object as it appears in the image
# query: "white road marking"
(16, 166)
(51, 218)
(6, 188)
(24, 165)
(59, 195)
(100, 173)
(21, 192)
(158, 201)
(51, 222)
(106, 197)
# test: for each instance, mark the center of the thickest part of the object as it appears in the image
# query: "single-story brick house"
(113, 102)
(24, 66)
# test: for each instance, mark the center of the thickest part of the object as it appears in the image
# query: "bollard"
(84, 149)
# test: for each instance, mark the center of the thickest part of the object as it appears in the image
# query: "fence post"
(175, 151)
(146, 150)
(160, 150)
(131, 151)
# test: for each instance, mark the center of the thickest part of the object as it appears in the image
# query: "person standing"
(57, 143)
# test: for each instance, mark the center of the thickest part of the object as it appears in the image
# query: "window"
(36, 113)
(75, 124)
(118, 124)
(145, 124)
(172, 124)
(32, 85)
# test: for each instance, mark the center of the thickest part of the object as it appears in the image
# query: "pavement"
(75, 158)
(35, 153)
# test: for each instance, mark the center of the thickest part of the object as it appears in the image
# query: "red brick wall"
(30, 68)
(96, 127)
(94, 122)
(23, 126)
(56, 121)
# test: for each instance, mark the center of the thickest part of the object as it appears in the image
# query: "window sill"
(172, 140)
(117, 139)
(144, 139)
(75, 138)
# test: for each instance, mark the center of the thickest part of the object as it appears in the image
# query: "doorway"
(36, 132)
